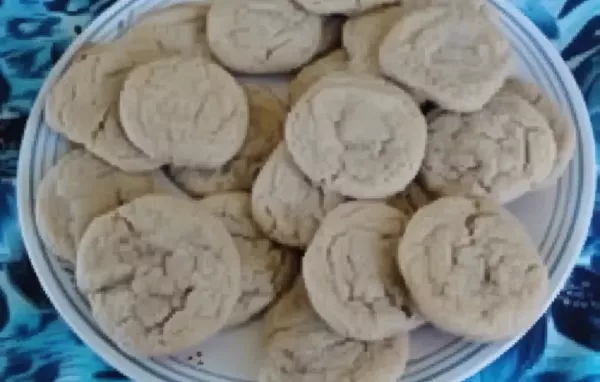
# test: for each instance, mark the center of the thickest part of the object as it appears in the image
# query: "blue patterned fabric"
(36, 345)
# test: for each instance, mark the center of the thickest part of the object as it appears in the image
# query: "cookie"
(286, 205)
(351, 275)
(179, 29)
(83, 104)
(184, 111)
(267, 269)
(276, 84)
(326, 135)
(262, 36)
(458, 59)
(265, 131)
(414, 197)
(562, 127)
(161, 274)
(346, 7)
(501, 151)
(77, 189)
(313, 72)
(472, 269)
(362, 36)
(303, 348)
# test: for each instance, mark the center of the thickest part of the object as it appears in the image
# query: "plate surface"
(557, 218)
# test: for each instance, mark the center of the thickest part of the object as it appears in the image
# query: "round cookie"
(83, 103)
(179, 28)
(458, 59)
(265, 131)
(472, 269)
(561, 125)
(262, 36)
(161, 274)
(267, 269)
(346, 7)
(351, 275)
(362, 36)
(301, 347)
(184, 111)
(326, 135)
(77, 189)
(285, 205)
(313, 72)
(501, 151)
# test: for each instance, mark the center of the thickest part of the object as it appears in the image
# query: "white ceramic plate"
(557, 219)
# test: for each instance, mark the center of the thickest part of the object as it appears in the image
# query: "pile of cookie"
(357, 205)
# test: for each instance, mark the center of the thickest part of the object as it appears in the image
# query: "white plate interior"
(556, 218)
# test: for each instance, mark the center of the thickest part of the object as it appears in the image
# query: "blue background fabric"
(35, 343)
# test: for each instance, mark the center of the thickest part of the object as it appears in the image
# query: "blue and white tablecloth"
(36, 345)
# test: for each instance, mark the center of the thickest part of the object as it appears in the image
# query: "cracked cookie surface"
(83, 104)
(501, 151)
(185, 112)
(351, 274)
(561, 125)
(265, 131)
(179, 28)
(262, 36)
(301, 348)
(267, 268)
(472, 269)
(326, 135)
(77, 189)
(161, 274)
(286, 205)
(458, 59)
(347, 7)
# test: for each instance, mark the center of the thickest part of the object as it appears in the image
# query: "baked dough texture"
(357, 135)
(561, 125)
(302, 348)
(267, 269)
(313, 72)
(472, 269)
(363, 34)
(263, 36)
(351, 274)
(286, 205)
(458, 59)
(265, 131)
(414, 197)
(160, 273)
(83, 104)
(184, 111)
(179, 28)
(77, 189)
(501, 151)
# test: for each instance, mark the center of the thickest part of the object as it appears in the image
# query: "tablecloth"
(35, 343)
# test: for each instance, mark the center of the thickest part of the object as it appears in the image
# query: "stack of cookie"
(397, 212)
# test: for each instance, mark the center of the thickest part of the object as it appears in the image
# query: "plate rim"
(25, 197)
